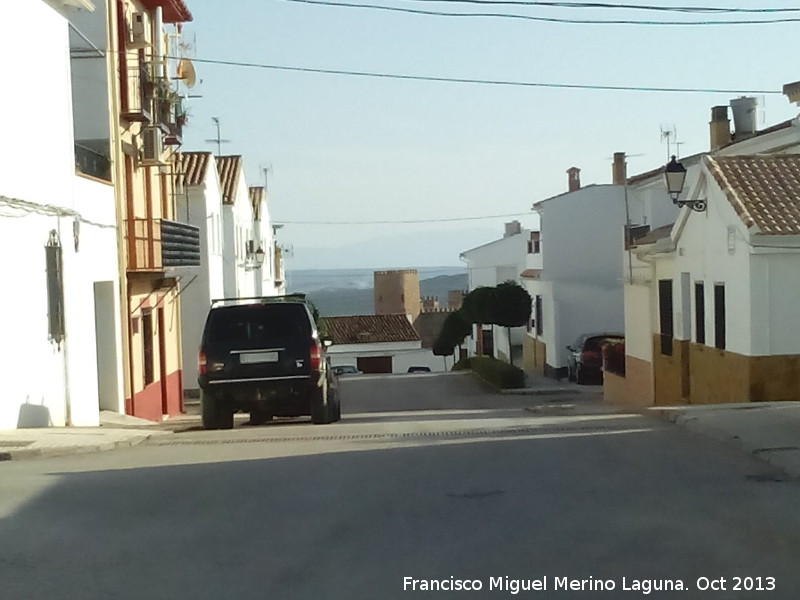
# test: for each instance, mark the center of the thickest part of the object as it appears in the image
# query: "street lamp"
(675, 176)
(253, 259)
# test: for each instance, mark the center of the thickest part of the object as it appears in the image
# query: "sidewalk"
(539, 385)
(115, 431)
(769, 431)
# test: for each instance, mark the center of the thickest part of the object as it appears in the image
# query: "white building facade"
(574, 275)
(491, 264)
(60, 310)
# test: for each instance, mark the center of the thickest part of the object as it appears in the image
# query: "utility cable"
(27, 208)
(542, 19)
(606, 5)
(500, 82)
(405, 221)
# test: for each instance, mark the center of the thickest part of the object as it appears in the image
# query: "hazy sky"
(346, 148)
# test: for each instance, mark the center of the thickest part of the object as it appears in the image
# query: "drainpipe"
(118, 173)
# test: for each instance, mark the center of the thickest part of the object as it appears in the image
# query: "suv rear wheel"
(321, 413)
(215, 414)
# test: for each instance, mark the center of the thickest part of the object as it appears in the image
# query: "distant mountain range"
(392, 251)
(335, 302)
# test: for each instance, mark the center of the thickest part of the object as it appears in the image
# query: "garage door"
(375, 364)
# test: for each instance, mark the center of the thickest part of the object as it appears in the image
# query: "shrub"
(498, 373)
(463, 365)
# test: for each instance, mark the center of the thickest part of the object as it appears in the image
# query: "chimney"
(512, 228)
(745, 117)
(619, 171)
(792, 92)
(720, 127)
(574, 178)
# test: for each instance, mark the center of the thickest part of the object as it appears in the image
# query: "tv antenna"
(217, 140)
(267, 171)
(669, 133)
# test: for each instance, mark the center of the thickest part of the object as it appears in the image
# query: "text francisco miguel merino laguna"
(542, 584)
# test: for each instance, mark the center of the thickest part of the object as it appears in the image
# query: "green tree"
(512, 308)
(455, 328)
(478, 305)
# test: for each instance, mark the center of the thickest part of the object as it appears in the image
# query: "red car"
(586, 356)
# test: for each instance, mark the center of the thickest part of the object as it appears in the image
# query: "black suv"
(264, 356)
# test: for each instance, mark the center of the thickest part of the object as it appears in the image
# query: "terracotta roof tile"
(194, 166)
(652, 236)
(531, 274)
(257, 194)
(764, 190)
(370, 329)
(175, 11)
(229, 168)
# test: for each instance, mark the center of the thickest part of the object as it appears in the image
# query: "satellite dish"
(186, 72)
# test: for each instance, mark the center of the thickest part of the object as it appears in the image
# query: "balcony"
(137, 103)
(92, 161)
(158, 245)
(169, 113)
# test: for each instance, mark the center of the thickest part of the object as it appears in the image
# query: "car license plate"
(258, 357)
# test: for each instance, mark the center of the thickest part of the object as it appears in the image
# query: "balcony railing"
(138, 102)
(92, 163)
(159, 244)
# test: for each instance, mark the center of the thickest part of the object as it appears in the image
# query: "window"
(699, 313)
(719, 316)
(534, 244)
(538, 317)
(147, 346)
(55, 289)
(665, 315)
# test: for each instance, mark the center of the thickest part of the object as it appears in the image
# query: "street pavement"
(767, 431)
(426, 477)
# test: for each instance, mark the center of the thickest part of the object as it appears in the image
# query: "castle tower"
(397, 292)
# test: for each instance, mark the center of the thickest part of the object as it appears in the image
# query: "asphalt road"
(426, 478)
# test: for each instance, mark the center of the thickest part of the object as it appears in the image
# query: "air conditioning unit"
(139, 31)
(152, 146)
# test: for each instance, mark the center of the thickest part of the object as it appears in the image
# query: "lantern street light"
(675, 176)
(253, 259)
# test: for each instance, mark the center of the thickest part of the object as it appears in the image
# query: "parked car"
(419, 369)
(264, 356)
(585, 361)
(345, 370)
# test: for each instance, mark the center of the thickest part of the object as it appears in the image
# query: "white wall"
(582, 239)
(201, 206)
(42, 377)
(497, 261)
(580, 308)
(582, 235)
(404, 355)
(229, 252)
(243, 222)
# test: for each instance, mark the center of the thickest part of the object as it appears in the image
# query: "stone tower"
(397, 292)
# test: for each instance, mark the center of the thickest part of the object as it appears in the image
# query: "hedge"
(463, 365)
(497, 372)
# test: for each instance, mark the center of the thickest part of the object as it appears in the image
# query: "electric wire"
(27, 208)
(542, 19)
(497, 82)
(607, 5)
(406, 221)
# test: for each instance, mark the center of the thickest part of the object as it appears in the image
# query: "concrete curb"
(24, 453)
(745, 439)
(543, 391)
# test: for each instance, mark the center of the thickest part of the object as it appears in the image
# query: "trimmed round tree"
(512, 308)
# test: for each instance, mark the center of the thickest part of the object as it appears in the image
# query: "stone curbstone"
(66, 450)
